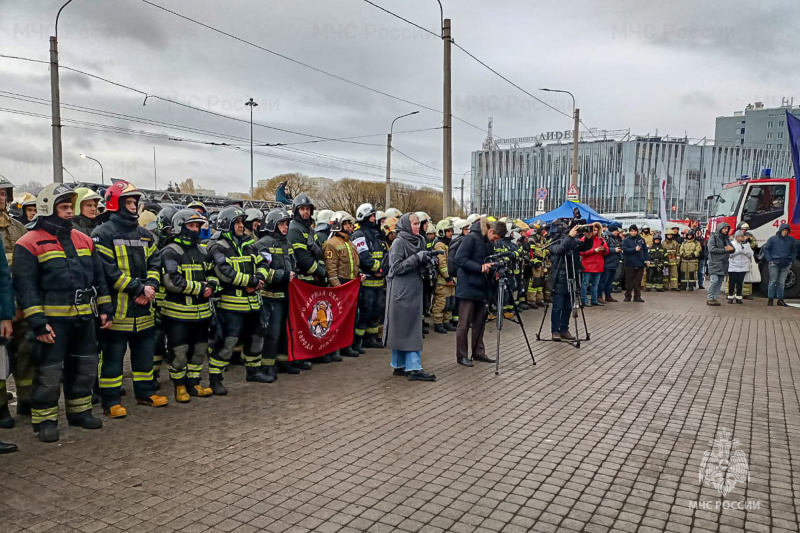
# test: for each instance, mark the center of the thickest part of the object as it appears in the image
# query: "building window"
(780, 135)
(780, 124)
(769, 136)
(741, 141)
(779, 147)
(770, 124)
(769, 147)
(742, 131)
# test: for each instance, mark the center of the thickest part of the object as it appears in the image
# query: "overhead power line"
(308, 66)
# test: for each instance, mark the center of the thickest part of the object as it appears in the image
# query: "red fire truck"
(765, 204)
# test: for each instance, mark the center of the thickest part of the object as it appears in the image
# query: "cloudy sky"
(670, 67)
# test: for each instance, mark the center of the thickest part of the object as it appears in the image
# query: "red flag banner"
(321, 319)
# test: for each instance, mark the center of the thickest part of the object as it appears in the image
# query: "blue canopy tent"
(565, 211)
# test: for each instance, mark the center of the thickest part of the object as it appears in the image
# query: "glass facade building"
(616, 176)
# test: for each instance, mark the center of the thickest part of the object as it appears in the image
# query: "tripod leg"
(524, 334)
(544, 319)
(585, 327)
(500, 292)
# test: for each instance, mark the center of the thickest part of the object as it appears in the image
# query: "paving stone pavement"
(609, 437)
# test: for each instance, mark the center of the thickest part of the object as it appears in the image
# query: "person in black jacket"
(472, 289)
(565, 253)
(634, 249)
(611, 262)
(60, 286)
(367, 240)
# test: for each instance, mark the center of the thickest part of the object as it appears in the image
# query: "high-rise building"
(756, 127)
(615, 175)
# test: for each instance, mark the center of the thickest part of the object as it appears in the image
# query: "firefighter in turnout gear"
(341, 258)
(61, 287)
(186, 307)
(690, 259)
(540, 253)
(648, 235)
(672, 250)
(444, 295)
(657, 264)
(368, 243)
(304, 241)
(505, 245)
(278, 269)
(133, 273)
(86, 219)
(163, 233)
(21, 346)
(235, 264)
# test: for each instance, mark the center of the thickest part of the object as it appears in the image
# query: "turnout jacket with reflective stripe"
(341, 258)
(276, 262)
(186, 272)
(368, 244)
(131, 262)
(235, 267)
(48, 269)
(307, 250)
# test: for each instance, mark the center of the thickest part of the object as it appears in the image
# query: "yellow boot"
(116, 411)
(153, 401)
(199, 390)
(181, 396)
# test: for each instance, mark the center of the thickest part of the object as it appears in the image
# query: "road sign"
(541, 193)
(540, 205)
(572, 193)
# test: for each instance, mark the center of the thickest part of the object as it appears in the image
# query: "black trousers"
(274, 317)
(369, 310)
(633, 280)
(72, 359)
(471, 315)
(142, 346)
(735, 284)
(188, 346)
(235, 326)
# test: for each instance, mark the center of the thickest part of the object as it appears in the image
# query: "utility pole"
(389, 159)
(155, 172)
(447, 179)
(575, 131)
(55, 104)
(251, 104)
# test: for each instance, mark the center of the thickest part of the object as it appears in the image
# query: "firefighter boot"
(371, 341)
(23, 407)
(181, 394)
(47, 430)
(215, 382)
(285, 367)
(153, 401)
(194, 388)
(116, 411)
(439, 328)
(357, 345)
(85, 420)
(450, 327)
(302, 365)
(156, 375)
(6, 421)
(270, 373)
(254, 373)
(335, 357)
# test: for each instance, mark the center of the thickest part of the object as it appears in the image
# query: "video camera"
(429, 265)
(565, 225)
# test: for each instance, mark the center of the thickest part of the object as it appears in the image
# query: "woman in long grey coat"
(403, 328)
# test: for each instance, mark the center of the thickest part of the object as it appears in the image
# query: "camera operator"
(473, 288)
(565, 252)
(408, 261)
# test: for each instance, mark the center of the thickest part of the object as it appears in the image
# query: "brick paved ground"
(609, 437)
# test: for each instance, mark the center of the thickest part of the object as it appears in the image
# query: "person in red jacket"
(593, 264)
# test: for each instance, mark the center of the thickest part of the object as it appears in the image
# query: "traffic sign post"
(541, 193)
(540, 206)
(572, 193)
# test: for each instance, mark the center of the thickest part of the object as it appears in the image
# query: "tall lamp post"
(251, 104)
(447, 122)
(55, 104)
(389, 158)
(576, 115)
(102, 173)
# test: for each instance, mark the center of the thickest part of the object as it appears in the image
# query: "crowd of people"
(86, 279)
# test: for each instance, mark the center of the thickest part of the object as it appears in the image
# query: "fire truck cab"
(764, 204)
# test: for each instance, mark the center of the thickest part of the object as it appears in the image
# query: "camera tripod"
(574, 291)
(502, 290)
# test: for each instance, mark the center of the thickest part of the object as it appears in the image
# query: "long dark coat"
(403, 320)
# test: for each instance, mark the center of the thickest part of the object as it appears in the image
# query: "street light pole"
(102, 173)
(447, 132)
(576, 115)
(55, 105)
(389, 159)
(251, 104)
